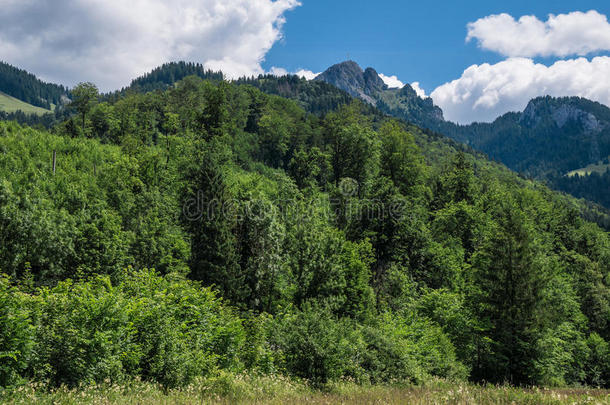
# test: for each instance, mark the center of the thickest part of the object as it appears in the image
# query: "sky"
(476, 59)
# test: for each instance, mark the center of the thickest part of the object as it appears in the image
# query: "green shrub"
(598, 361)
(84, 334)
(411, 349)
(16, 332)
(183, 330)
(322, 348)
(163, 329)
(314, 344)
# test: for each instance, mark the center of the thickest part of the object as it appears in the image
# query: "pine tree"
(509, 276)
(208, 216)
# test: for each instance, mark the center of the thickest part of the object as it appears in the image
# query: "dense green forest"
(209, 227)
(550, 138)
(27, 87)
(593, 186)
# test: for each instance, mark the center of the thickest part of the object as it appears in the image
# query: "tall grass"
(245, 389)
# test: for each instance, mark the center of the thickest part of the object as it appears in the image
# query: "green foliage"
(16, 343)
(317, 346)
(166, 330)
(354, 246)
(85, 96)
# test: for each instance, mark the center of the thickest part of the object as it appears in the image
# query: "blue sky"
(420, 41)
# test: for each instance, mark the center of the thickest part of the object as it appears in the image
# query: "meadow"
(10, 104)
(244, 389)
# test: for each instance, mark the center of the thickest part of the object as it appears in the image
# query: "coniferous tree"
(212, 224)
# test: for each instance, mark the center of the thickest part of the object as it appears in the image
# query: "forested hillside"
(549, 139)
(341, 245)
(26, 87)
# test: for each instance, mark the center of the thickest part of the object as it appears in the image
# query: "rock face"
(367, 85)
(372, 82)
(350, 77)
(562, 111)
(570, 118)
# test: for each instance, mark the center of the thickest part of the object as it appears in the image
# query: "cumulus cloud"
(484, 92)
(420, 92)
(279, 71)
(575, 33)
(391, 81)
(307, 74)
(110, 42)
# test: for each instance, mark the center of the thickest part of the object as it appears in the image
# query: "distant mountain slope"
(10, 104)
(549, 139)
(26, 87)
(552, 136)
(367, 85)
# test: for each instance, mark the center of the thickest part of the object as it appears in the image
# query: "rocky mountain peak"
(350, 77)
(561, 111)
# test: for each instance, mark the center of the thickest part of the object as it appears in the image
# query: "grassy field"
(11, 104)
(279, 390)
(594, 168)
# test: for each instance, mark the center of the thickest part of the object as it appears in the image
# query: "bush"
(411, 349)
(321, 348)
(15, 334)
(598, 361)
(84, 334)
(183, 330)
(315, 345)
(163, 329)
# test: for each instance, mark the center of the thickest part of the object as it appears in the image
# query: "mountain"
(552, 136)
(24, 86)
(390, 252)
(554, 140)
(10, 104)
(347, 244)
(549, 139)
(367, 85)
(349, 76)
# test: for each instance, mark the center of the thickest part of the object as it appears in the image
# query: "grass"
(11, 104)
(241, 389)
(593, 168)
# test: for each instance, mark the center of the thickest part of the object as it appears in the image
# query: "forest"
(210, 228)
(26, 87)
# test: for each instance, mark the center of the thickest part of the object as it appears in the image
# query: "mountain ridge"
(550, 138)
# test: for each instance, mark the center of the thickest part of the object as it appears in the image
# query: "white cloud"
(392, 81)
(420, 92)
(575, 33)
(111, 42)
(307, 74)
(279, 71)
(484, 92)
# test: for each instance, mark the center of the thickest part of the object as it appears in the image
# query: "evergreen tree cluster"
(27, 87)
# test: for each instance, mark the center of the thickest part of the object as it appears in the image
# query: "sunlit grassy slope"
(593, 168)
(11, 104)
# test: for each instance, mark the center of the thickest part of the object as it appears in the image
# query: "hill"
(339, 246)
(10, 105)
(551, 138)
(26, 87)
